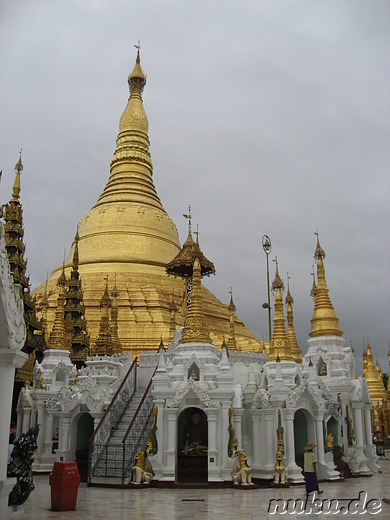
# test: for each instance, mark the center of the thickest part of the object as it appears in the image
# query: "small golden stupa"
(127, 236)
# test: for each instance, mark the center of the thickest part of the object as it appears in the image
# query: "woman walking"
(310, 470)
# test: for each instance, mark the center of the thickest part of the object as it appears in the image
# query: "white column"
(26, 420)
(237, 421)
(357, 415)
(288, 416)
(319, 420)
(171, 442)
(63, 442)
(9, 360)
(212, 453)
(256, 436)
(270, 445)
(48, 436)
(294, 472)
(41, 421)
(367, 424)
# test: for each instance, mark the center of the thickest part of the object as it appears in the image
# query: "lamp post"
(266, 243)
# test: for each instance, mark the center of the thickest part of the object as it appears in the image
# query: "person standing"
(310, 470)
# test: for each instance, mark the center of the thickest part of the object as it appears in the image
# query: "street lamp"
(266, 243)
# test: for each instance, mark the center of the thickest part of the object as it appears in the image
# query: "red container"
(64, 482)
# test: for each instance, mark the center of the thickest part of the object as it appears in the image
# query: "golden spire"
(364, 362)
(231, 342)
(295, 348)
(18, 169)
(324, 321)
(195, 329)
(375, 386)
(280, 348)
(58, 338)
(131, 167)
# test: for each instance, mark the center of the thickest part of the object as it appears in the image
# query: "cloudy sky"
(267, 116)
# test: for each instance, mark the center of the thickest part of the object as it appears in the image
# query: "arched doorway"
(84, 431)
(192, 443)
(332, 427)
(303, 432)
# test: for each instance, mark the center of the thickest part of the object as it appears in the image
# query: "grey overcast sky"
(267, 116)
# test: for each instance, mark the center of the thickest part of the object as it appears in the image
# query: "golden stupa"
(127, 236)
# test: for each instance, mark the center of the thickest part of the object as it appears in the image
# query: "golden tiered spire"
(280, 349)
(375, 387)
(15, 247)
(103, 344)
(231, 342)
(58, 339)
(75, 311)
(364, 362)
(324, 321)
(195, 329)
(295, 348)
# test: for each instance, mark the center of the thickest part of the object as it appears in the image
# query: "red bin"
(64, 482)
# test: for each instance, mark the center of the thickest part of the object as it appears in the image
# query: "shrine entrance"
(303, 432)
(192, 444)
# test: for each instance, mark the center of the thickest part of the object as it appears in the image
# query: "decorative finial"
(319, 252)
(188, 216)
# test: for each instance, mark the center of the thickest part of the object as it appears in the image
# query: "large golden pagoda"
(127, 236)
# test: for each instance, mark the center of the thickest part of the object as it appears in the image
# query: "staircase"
(121, 432)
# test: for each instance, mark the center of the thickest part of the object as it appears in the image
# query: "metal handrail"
(134, 364)
(146, 407)
(111, 417)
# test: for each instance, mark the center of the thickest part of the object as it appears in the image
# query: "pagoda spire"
(375, 386)
(15, 247)
(324, 321)
(231, 342)
(58, 337)
(131, 168)
(195, 329)
(16, 186)
(280, 349)
(75, 311)
(103, 344)
(364, 362)
(295, 348)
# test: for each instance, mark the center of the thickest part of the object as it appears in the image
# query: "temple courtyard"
(202, 503)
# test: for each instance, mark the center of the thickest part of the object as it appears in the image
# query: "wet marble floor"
(217, 504)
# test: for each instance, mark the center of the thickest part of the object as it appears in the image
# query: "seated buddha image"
(196, 436)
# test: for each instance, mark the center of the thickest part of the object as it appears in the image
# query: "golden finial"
(319, 252)
(278, 282)
(137, 78)
(188, 217)
(231, 305)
